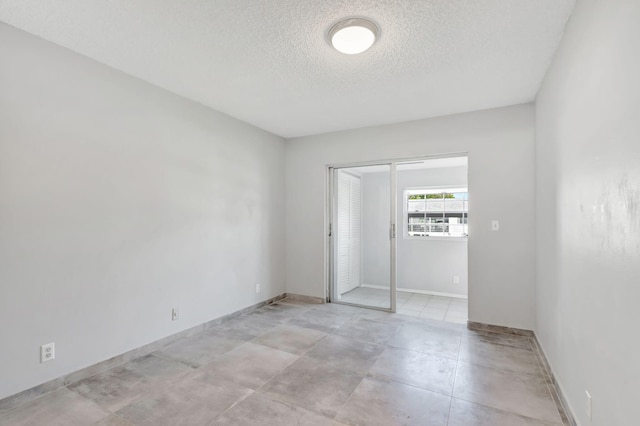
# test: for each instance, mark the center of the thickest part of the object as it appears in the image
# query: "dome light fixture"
(353, 35)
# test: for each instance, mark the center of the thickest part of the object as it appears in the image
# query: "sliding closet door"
(349, 232)
(362, 234)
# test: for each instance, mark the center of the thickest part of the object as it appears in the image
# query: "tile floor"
(413, 304)
(299, 364)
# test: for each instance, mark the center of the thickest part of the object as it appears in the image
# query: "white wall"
(431, 264)
(118, 201)
(500, 145)
(422, 264)
(588, 211)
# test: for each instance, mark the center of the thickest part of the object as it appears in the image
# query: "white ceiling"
(268, 62)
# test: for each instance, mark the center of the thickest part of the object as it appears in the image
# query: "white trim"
(436, 238)
(393, 236)
(436, 189)
(396, 160)
(411, 290)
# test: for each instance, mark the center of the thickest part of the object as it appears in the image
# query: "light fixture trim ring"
(353, 22)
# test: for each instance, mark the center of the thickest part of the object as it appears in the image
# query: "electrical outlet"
(175, 314)
(456, 279)
(47, 352)
(258, 288)
(588, 406)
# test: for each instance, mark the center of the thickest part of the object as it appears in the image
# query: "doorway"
(399, 236)
(362, 240)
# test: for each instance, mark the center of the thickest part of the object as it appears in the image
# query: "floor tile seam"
(277, 398)
(235, 403)
(379, 376)
(273, 398)
(104, 409)
(505, 411)
(160, 390)
(332, 363)
(128, 422)
(366, 341)
(167, 357)
(349, 397)
(455, 376)
(279, 371)
(315, 329)
(158, 386)
(313, 346)
(431, 354)
(151, 389)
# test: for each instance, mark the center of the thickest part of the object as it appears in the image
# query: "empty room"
(304, 212)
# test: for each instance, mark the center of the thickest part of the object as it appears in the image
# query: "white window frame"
(434, 190)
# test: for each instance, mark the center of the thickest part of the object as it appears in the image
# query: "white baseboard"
(412, 290)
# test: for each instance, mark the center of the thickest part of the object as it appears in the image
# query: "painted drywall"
(430, 265)
(422, 264)
(588, 212)
(119, 201)
(500, 145)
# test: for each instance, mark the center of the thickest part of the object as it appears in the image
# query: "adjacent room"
(372, 212)
(430, 250)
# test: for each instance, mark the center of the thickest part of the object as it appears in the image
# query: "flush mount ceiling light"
(352, 36)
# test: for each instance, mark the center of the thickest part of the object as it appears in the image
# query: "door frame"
(330, 211)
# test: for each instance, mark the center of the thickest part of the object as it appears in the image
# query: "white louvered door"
(348, 232)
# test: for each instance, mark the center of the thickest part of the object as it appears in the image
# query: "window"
(441, 212)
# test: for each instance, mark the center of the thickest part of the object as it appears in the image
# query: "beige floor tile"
(408, 311)
(289, 338)
(518, 393)
(433, 313)
(296, 363)
(379, 402)
(186, 402)
(315, 385)
(367, 330)
(323, 321)
(260, 410)
(465, 413)
(346, 353)
(417, 369)
(122, 385)
(507, 358)
(203, 347)
(59, 408)
(249, 365)
(114, 420)
(442, 343)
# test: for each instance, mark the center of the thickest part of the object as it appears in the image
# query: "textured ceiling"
(268, 62)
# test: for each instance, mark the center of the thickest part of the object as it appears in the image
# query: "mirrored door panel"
(362, 236)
